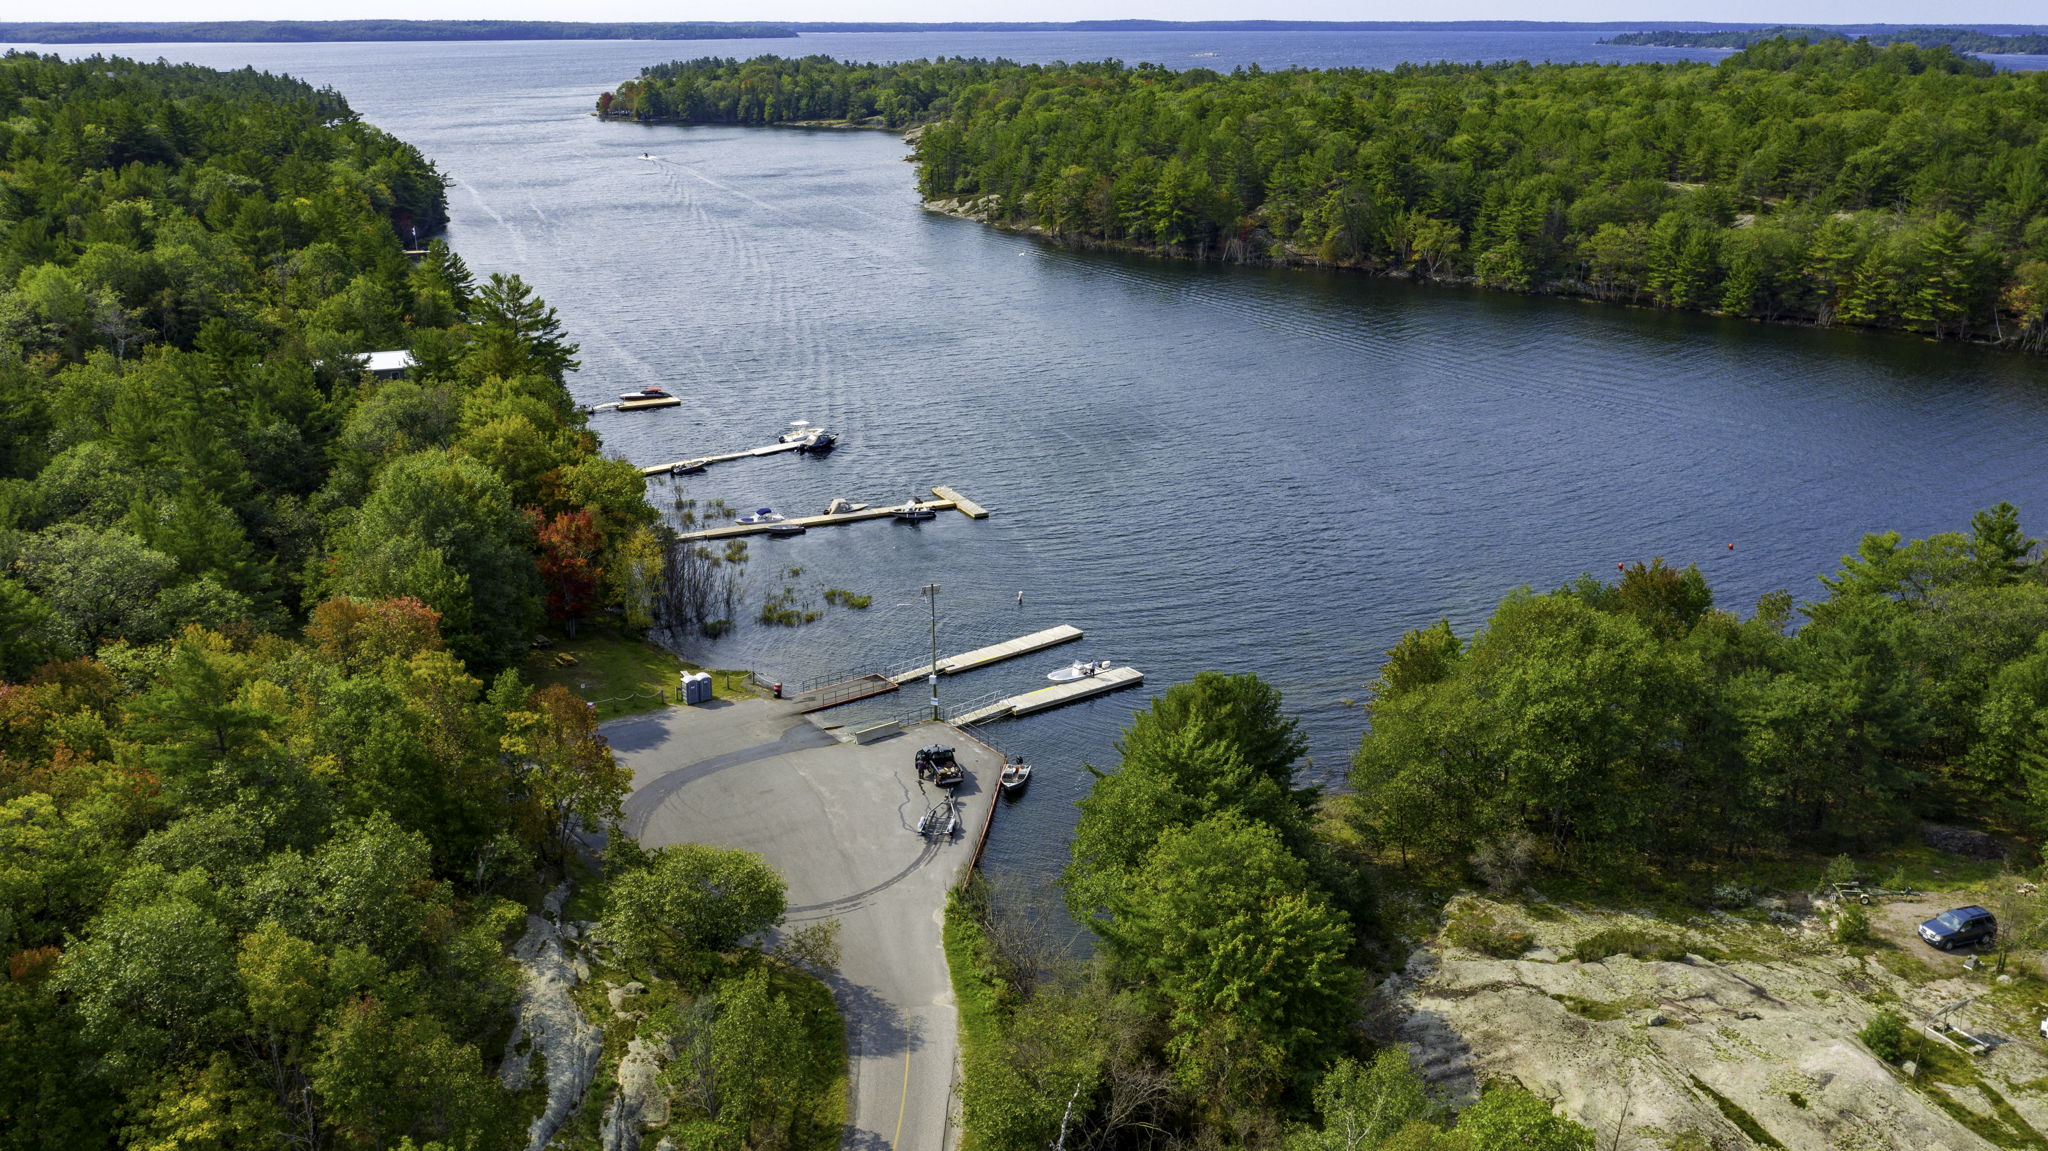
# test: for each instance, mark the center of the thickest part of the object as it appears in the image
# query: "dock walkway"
(1115, 679)
(699, 462)
(727, 531)
(994, 653)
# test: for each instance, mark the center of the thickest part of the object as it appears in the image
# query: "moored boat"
(761, 516)
(650, 392)
(785, 529)
(1079, 669)
(808, 437)
(1016, 775)
(914, 512)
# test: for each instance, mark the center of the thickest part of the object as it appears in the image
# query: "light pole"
(930, 591)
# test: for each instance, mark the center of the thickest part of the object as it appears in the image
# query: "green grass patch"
(978, 992)
(1940, 1065)
(1479, 930)
(848, 599)
(1635, 941)
(1743, 1120)
(622, 675)
(1598, 1011)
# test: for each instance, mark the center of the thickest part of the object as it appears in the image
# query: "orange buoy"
(1620, 567)
(1731, 547)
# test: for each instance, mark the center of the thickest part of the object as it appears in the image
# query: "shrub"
(1889, 1037)
(1480, 931)
(1852, 925)
(1733, 895)
(1841, 869)
(1628, 941)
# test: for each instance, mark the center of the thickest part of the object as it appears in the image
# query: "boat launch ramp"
(1059, 694)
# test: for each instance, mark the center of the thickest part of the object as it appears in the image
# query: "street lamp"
(930, 591)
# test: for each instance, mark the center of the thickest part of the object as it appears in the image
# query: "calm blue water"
(1252, 470)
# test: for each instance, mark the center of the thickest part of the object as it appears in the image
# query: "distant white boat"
(1079, 669)
(761, 516)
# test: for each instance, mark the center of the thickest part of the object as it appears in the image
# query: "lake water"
(1245, 470)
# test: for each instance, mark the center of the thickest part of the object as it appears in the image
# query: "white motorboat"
(650, 392)
(761, 516)
(914, 512)
(808, 437)
(1016, 775)
(1079, 669)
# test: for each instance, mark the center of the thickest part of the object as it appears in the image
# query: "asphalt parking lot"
(838, 820)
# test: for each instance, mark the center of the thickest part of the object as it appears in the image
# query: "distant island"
(1956, 39)
(324, 31)
(1692, 33)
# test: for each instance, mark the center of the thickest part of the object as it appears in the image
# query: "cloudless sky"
(1764, 11)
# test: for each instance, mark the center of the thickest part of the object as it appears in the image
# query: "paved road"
(837, 821)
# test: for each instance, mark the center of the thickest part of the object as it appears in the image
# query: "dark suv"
(1964, 925)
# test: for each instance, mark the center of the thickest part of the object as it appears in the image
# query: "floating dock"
(1059, 694)
(701, 462)
(728, 531)
(994, 653)
(964, 505)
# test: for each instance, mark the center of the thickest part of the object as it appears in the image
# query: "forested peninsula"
(1958, 39)
(276, 800)
(1828, 183)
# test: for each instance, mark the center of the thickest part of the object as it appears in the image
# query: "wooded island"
(1829, 183)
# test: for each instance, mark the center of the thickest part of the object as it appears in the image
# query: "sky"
(769, 11)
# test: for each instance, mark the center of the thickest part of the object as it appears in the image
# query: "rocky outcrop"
(640, 1102)
(550, 1026)
(1640, 1050)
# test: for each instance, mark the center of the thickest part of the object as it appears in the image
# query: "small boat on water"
(840, 507)
(1015, 776)
(650, 392)
(761, 516)
(1079, 669)
(687, 467)
(786, 529)
(808, 437)
(914, 512)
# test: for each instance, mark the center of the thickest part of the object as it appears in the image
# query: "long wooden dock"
(700, 462)
(994, 653)
(1115, 679)
(728, 531)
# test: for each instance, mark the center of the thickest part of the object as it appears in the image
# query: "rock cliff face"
(1763, 1038)
(550, 1025)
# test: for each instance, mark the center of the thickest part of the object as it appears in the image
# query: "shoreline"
(1237, 251)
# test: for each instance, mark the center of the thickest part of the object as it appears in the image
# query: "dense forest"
(1959, 39)
(1631, 725)
(273, 801)
(1621, 736)
(1834, 183)
(1234, 938)
(324, 31)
